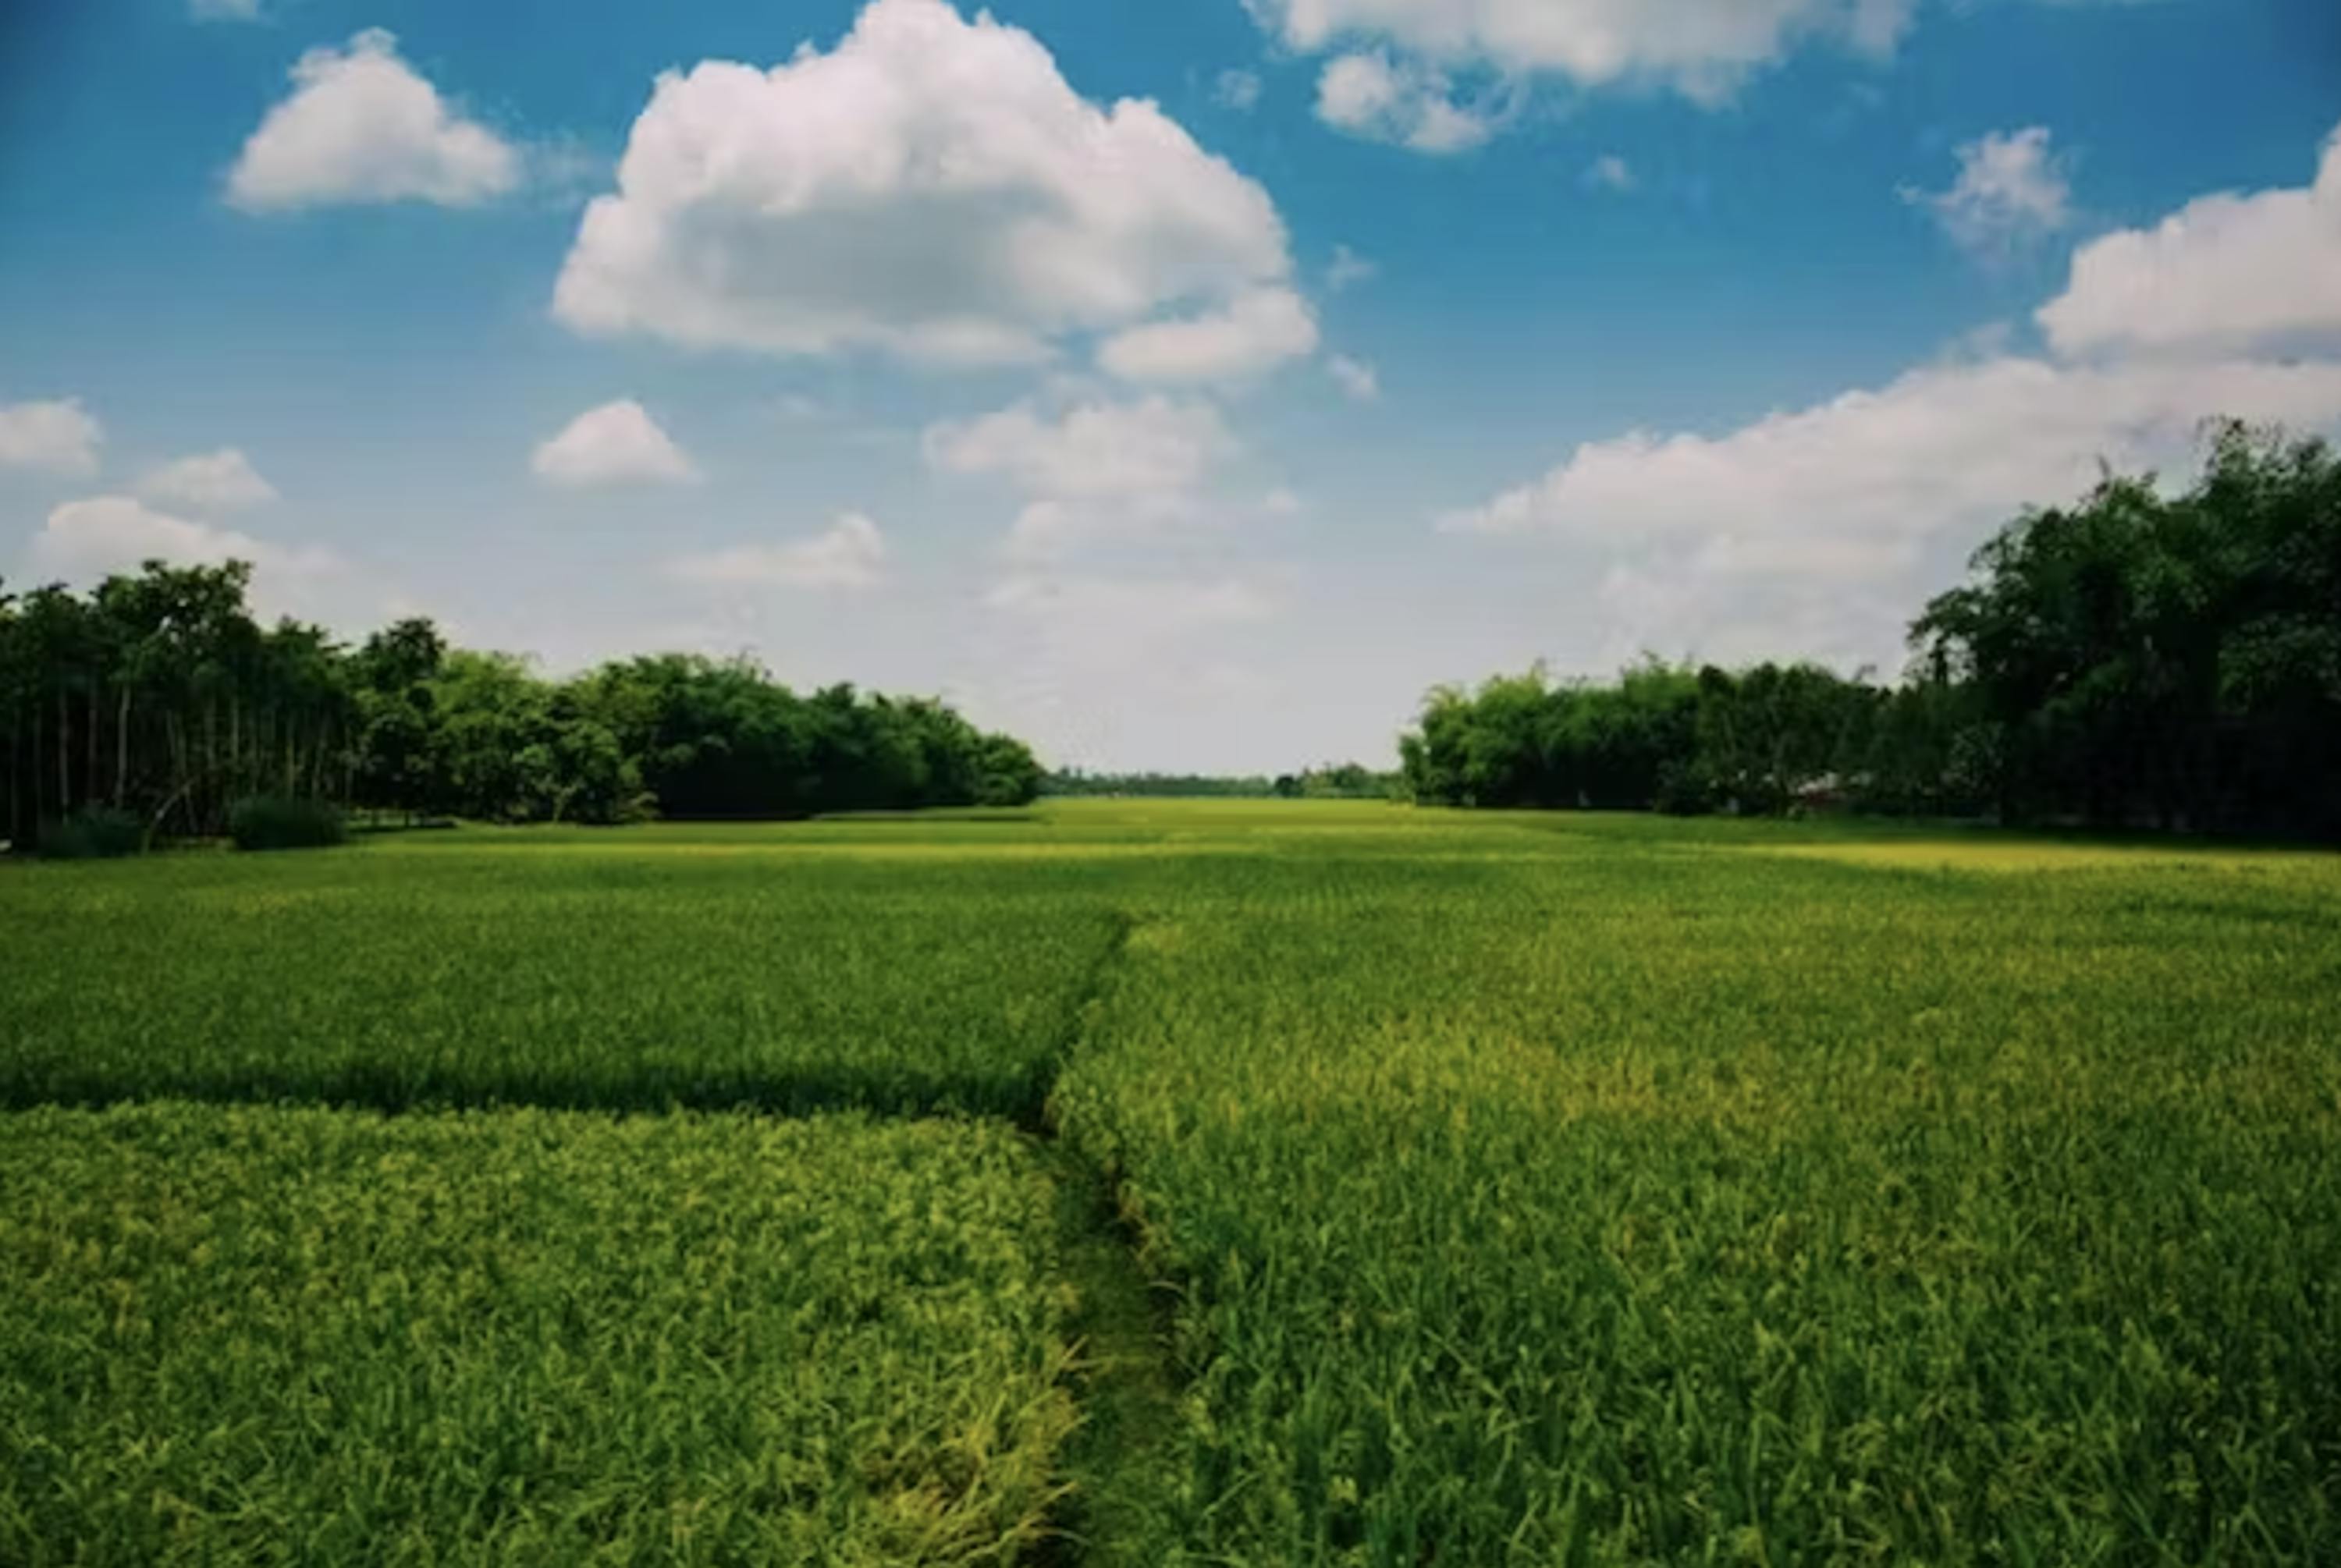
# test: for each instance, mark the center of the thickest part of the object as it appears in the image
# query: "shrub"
(94, 833)
(280, 822)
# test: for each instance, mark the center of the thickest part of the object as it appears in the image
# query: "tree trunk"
(34, 766)
(65, 755)
(121, 748)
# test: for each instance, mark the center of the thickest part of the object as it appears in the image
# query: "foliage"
(92, 833)
(2141, 660)
(1333, 781)
(280, 822)
(1075, 782)
(157, 694)
(2173, 660)
(277, 1335)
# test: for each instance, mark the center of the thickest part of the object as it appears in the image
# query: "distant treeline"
(2138, 659)
(158, 695)
(1333, 781)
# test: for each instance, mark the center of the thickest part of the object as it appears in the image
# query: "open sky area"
(1175, 384)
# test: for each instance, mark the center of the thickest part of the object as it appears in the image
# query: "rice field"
(1207, 1183)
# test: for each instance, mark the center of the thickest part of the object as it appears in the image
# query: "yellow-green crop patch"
(606, 971)
(253, 1335)
(1529, 1189)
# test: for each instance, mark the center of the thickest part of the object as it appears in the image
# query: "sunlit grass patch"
(619, 975)
(2004, 852)
(256, 1335)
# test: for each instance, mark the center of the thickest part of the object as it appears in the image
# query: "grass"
(604, 971)
(259, 1335)
(1523, 1189)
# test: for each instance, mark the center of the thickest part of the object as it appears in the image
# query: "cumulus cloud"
(618, 443)
(1397, 57)
(83, 540)
(1818, 530)
(58, 436)
(1357, 377)
(1097, 471)
(1703, 49)
(1095, 451)
(2222, 274)
(931, 187)
(1804, 529)
(2012, 191)
(211, 483)
(851, 554)
(1943, 448)
(1254, 334)
(362, 127)
(1407, 102)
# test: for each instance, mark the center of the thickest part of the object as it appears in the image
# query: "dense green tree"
(2168, 658)
(2146, 657)
(159, 694)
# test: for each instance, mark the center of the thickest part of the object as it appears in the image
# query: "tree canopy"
(159, 694)
(2146, 658)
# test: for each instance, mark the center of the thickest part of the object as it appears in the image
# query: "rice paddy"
(1207, 1183)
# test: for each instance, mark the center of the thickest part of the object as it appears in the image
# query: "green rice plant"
(623, 970)
(272, 1335)
(1632, 1197)
(1527, 1188)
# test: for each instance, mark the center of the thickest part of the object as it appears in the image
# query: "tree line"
(1332, 782)
(2143, 659)
(158, 697)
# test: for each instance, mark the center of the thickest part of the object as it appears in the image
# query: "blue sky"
(1399, 341)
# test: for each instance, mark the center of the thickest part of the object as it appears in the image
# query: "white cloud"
(2012, 191)
(1097, 450)
(85, 540)
(1943, 448)
(2222, 274)
(1096, 472)
(851, 554)
(1238, 90)
(1803, 533)
(615, 444)
(1348, 268)
(1610, 172)
(1818, 531)
(1407, 102)
(222, 480)
(1254, 334)
(58, 436)
(931, 187)
(1703, 49)
(223, 10)
(1357, 377)
(362, 127)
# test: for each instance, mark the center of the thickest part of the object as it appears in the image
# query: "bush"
(279, 822)
(94, 833)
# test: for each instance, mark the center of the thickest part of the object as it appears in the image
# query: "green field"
(1213, 1182)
